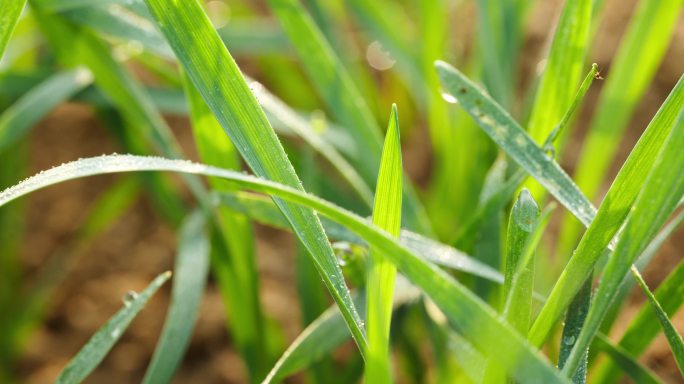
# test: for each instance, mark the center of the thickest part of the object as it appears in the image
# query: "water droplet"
(116, 332)
(449, 98)
(130, 297)
(569, 340)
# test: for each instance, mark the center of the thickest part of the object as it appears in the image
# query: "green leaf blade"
(662, 191)
(90, 356)
(190, 276)
(673, 337)
(10, 10)
(216, 76)
(381, 272)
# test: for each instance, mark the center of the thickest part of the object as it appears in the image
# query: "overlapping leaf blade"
(479, 323)
(217, 78)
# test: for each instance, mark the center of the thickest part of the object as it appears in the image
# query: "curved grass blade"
(673, 337)
(501, 127)
(216, 76)
(644, 327)
(629, 365)
(16, 120)
(90, 356)
(477, 322)
(190, 277)
(10, 10)
(262, 209)
(663, 189)
(381, 272)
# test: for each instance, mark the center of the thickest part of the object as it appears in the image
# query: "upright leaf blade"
(563, 69)
(190, 277)
(381, 272)
(217, 78)
(90, 356)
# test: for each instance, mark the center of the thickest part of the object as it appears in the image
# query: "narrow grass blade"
(563, 69)
(635, 370)
(218, 79)
(10, 10)
(336, 87)
(645, 325)
(574, 321)
(318, 339)
(521, 225)
(611, 215)
(632, 70)
(478, 322)
(190, 277)
(90, 356)
(236, 269)
(327, 332)
(643, 261)
(663, 189)
(498, 34)
(517, 298)
(19, 118)
(673, 337)
(381, 272)
(263, 210)
(501, 127)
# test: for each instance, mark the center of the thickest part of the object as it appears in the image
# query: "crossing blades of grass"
(90, 356)
(645, 326)
(501, 127)
(10, 10)
(263, 210)
(643, 260)
(611, 215)
(190, 276)
(629, 365)
(336, 87)
(477, 322)
(235, 271)
(563, 69)
(381, 272)
(217, 78)
(658, 198)
(16, 120)
(673, 337)
(631, 72)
